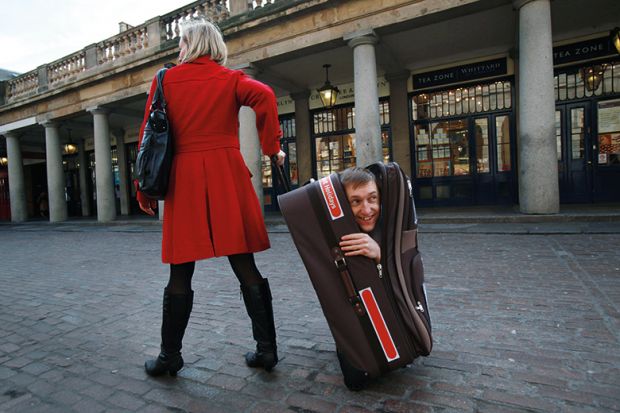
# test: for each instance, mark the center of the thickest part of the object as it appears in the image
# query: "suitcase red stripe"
(331, 200)
(378, 323)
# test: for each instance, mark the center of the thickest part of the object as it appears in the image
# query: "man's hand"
(279, 158)
(149, 206)
(360, 244)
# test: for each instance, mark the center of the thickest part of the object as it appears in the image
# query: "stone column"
(367, 126)
(55, 173)
(538, 167)
(106, 206)
(302, 135)
(399, 119)
(121, 152)
(250, 144)
(17, 188)
(84, 192)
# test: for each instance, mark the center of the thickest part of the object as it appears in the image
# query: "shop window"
(475, 99)
(586, 81)
(287, 125)
(334, 137)
(609, 133)
(502, 132)
(442, 149)
(334, 153)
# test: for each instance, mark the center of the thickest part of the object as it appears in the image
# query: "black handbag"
(155, 154)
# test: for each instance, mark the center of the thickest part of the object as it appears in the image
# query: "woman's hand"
(279, 157)
(148, 206)
(361, 244)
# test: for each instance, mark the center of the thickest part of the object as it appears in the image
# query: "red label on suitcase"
(378, 323)
(331, 199)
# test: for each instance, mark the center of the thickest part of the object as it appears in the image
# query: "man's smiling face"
(365, 204)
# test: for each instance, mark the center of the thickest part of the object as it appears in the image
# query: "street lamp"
(328, 93)
(4, 161)
(69, 148)
(615, 38)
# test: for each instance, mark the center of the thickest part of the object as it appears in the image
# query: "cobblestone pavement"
(522, 323)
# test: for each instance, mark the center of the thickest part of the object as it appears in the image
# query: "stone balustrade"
(23, 85)
(66, 67)
(126, 43)
(130, 42)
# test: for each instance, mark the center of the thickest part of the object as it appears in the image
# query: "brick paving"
(523, 322)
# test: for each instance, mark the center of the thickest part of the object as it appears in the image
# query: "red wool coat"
(211, 208)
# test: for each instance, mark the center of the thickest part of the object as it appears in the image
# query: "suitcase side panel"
(350, 338)
(314, 252)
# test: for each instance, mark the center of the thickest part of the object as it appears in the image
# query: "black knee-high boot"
(257, 300)
(176, 311)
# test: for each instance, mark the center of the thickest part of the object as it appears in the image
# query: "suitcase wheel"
(354, 379)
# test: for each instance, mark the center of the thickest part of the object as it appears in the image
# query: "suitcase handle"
(281, 174)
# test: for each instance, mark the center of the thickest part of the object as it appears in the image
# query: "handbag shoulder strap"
(158, 96)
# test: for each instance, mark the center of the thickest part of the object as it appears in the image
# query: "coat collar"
(204, 60)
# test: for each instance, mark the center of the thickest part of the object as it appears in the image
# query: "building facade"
(482, 102)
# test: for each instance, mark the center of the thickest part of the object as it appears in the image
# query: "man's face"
(365, 204)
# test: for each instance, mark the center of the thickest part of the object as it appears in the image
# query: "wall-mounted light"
(592, 76)
(4, 161)
(615, 38)
(327, 92)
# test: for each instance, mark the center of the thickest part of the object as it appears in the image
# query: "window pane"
(482, 145)
(577, 133)
(502, 131)
(292, 163)
(423, 152)
(266, 165)
(558, 133)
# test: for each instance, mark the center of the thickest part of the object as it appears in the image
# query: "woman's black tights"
(243, 266)
(181, 278)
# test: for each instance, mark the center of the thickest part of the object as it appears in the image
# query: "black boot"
(176, 311)
(257, 300)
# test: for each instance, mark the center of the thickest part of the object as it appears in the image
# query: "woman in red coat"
(211, 208)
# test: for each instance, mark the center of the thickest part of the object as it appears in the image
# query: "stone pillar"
(84, 192)
(538, 167)
(55, 173)
(17, 188)
(367, 125)
(121, 153)
(399, 119)
(106, 206)
(302, 135)
(250, 144)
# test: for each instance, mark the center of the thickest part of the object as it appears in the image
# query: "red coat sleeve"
(261, 98)
(147, 110)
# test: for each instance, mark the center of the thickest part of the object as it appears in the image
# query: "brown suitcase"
(378, 316)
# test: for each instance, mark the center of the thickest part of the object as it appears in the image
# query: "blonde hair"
(202, 37)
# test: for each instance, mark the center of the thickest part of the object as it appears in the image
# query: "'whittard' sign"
(489, 68)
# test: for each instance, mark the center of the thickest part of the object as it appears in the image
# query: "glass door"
(575, 152)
